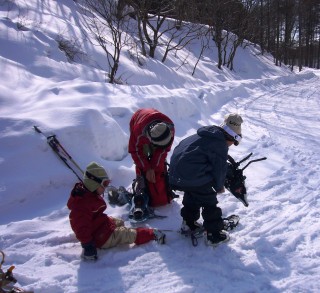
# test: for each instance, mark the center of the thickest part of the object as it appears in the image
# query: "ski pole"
(56, 141)
(244, 159)
(53, 141)
(257, 160)
(55, 145)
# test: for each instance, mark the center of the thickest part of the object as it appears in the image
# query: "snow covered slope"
(276, 246)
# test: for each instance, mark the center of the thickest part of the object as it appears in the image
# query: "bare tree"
(109, 27)
(216, 17)
(228, 20)
(238, 24)
(179, 37)
(152, 25)
(205, 44)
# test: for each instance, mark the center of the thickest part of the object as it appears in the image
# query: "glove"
(89, 251)
(221, 191)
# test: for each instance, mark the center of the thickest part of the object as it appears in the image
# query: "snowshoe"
(217, 238)
(196, 229)
(118, 196)
(194, 232)
(146, 216)
(139, 208)
(230, 222)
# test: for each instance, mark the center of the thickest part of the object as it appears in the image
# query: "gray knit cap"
(96, 170)
(160, 134)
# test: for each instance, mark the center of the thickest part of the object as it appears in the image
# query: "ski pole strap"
(52, 141)
(55, 141)
(56, 145)
(60, 151)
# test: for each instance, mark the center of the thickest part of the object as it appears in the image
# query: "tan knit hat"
(160, 134)
(97, 171)
(232, 125)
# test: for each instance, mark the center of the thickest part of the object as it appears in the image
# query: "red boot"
(145, 235)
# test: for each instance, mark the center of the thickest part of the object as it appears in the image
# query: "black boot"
(214, 239)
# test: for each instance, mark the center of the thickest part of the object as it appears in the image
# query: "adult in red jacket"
(92, 227)
(151, 137)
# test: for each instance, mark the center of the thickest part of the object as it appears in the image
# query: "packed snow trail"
(282, 220)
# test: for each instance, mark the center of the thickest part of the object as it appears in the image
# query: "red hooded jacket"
(87, 219)
(138, 138)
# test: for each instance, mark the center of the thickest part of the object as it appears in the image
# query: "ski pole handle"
(257, 160)
(37, 129)
(246, 158)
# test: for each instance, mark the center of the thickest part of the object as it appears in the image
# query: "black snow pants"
(206, 198)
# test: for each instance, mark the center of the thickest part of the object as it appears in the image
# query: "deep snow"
(276, 246)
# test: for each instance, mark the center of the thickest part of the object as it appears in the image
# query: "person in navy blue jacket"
(198, 166)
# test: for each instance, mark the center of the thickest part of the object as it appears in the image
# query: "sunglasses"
(103, 182)
(236, 139)
(231, 135)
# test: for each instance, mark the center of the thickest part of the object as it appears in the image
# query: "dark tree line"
(290, 30)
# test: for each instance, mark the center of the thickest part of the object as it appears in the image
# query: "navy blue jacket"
(200, 159)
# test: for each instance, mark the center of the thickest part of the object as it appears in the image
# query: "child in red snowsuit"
(151, 137)
(92, 227)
